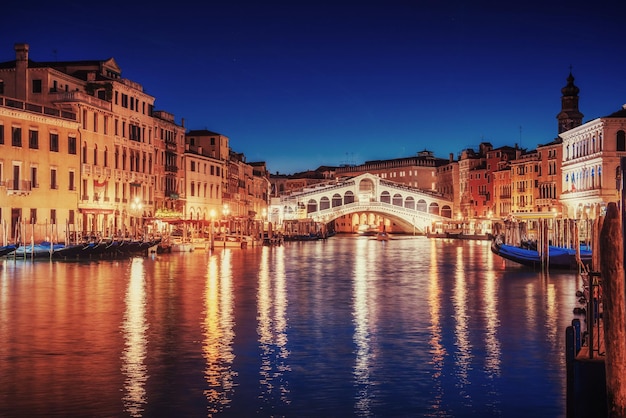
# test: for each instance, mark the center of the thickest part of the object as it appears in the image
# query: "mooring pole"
(614, 310)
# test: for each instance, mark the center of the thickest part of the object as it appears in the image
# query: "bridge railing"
(299, 195)
(412, 189)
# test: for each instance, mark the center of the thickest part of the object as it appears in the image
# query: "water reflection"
(437, 349)
(272, 329)
(463, 348)
(134, 329)
(217, 347)
(361, 331)
(346, 327)
(492, 324)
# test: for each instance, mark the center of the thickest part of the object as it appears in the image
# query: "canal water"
(350, 326)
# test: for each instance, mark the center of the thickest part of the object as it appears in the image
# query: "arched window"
(397, 199)
(433, 208)
(324, 203)
(311, 206)
(84, 152)
(337, 200)
(621, 141)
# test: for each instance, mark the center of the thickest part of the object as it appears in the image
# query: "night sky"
(300, 84)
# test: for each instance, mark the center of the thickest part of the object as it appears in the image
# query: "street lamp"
(136, 207)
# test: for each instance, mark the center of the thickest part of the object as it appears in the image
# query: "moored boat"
(382, 236)
(42, 250)
(7, 249)
(558, 257)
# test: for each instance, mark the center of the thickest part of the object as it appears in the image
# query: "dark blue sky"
(300, 84)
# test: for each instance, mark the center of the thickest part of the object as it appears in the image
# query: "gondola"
(558, 257)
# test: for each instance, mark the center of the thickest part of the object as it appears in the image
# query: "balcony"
(80, 97)
(35, 108)
(18, 187)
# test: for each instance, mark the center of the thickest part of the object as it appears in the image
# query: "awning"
(95, 211)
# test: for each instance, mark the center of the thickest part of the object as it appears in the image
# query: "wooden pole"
(614, 312)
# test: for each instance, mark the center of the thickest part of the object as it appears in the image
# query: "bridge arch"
(367, 194)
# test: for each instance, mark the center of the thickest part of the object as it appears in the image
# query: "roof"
(619, 114)
(202, 132)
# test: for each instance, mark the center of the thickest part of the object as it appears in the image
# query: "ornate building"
(83, 149)
(590, 170)
(119, 142)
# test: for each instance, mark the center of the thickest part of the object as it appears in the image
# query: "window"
(16, 137)
(33, 177)
(72, 181)
(33, 139)
(33, 216)
(53, 216)
(54, 142)
(53, 179)
(621, 141)
(71, 145)
(1, 134)
(192, 166)
(36, 86)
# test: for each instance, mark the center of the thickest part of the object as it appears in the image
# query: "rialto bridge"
(410, 209)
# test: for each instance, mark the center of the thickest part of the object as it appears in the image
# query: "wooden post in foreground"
(614, 312)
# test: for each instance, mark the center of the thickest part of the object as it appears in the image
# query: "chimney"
(21, 71)
(451, 157)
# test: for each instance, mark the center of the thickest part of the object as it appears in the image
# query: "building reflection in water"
(437, 349)
(134, 329)
(217, 347)
(463, 353)
(492, 325)
(361, 331)
(272, 328)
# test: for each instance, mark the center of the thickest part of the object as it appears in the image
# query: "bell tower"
(569, 117)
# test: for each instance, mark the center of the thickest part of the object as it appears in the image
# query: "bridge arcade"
(410, 209)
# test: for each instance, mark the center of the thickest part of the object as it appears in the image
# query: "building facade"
(590, 169)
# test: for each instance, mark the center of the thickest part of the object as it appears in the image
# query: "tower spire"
(569, 117)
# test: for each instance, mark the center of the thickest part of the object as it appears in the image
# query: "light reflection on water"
(134, 329)
(218, 327)
(345, 327)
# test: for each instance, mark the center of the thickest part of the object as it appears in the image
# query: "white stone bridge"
(411, 208)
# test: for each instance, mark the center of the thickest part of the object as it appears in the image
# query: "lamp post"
(136, 206)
